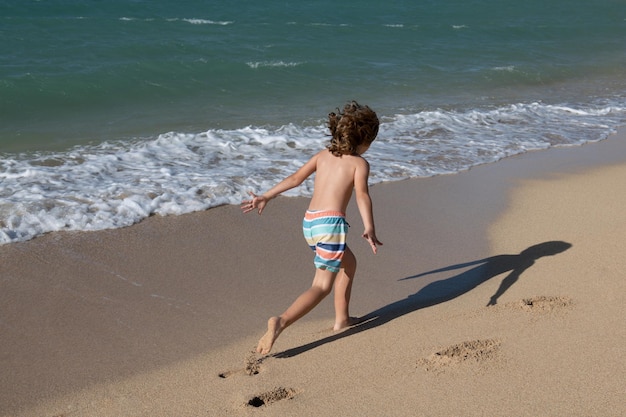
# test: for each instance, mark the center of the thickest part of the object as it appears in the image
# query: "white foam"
(208, 22)
(116, 184)
(255, 65)
(508, 68)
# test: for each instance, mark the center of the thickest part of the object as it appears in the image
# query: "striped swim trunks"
(326, 232)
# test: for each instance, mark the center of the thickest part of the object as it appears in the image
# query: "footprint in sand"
(476, 351)
(272, 396)
(252, 366)
(540, 304)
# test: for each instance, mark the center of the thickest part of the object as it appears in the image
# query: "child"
(339, 169)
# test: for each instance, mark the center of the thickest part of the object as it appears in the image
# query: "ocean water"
(113, 111)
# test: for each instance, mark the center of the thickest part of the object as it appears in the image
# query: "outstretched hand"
(372, 240)
(257, 202)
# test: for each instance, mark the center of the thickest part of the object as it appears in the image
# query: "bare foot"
(347, 323)
(268, 339)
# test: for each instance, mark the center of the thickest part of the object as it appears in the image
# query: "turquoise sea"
(113, 111)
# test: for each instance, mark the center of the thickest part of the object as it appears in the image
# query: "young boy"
(339, 169)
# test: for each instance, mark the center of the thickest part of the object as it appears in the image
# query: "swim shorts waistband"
(316, 214)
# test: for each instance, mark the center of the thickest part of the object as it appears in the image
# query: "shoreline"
(144, 320)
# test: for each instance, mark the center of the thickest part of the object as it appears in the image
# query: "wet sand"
(498, 291)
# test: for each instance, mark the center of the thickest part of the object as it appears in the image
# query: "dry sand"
(499, 292)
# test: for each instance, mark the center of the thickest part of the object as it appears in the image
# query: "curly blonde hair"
(355, 125)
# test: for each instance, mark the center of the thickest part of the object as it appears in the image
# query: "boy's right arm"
(260, 201)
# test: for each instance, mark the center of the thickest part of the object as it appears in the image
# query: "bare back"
(335, 180)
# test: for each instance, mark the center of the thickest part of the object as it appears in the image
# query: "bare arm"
(364, 203)
(260, 201)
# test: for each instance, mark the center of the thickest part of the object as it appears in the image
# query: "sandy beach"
(499, 291)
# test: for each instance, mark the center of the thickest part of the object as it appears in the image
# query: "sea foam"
(116, 184)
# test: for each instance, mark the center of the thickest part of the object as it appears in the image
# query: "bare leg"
(321, 287)
(343, 290)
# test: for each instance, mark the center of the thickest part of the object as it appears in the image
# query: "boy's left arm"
(364, 203)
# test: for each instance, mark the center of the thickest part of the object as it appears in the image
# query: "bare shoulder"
(321, 154)
(325, 159)
(360, 162)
